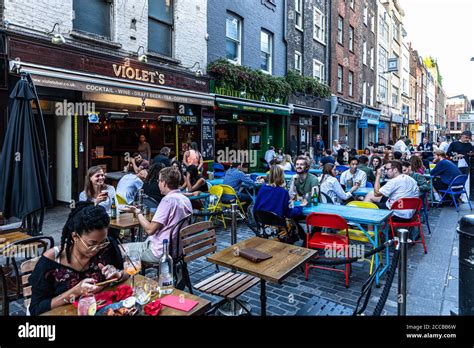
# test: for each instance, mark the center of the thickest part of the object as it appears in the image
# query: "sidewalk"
(432, 278)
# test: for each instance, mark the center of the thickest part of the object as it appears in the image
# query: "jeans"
(144, 249)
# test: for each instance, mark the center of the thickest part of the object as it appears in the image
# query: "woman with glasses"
(84, 258)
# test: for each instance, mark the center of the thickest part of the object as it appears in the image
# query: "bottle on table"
(113, 209)
(165, 279)
(315, 195)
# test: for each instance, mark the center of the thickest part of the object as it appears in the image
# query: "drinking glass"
(87, 305)
(143, 290)
(132, 265)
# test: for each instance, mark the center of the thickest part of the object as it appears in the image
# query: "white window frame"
(372, 95)
(319, 27)
(365, 14)
(321, 69)
(238, 41)
(372, 58)
(364, 93)
(350, 81)
(384, 87)
(299, 58)
(351, 38)
(351, 4)
(340, 79)
(396, 95)
(270, 53)
(299, 14)
(340, 31)
(364, 53)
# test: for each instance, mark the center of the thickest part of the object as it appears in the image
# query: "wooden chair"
(28, 250)
(199, 240)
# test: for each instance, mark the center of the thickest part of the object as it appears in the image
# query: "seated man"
(353, 175)
(363, 161)
(172, 209)
(423, 184)
(327, 158)
(444, 172)
(137, 163)
(303, 182)
(234, 178)
(129, 185)
(400, 186)
(163, 157)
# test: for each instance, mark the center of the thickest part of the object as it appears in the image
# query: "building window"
(351, 4)
(319, 26)
(364, 93)
(233, 39)
(372, 23)
(339, 78)
(351, 38)
(160, 27)
(364, 53)
(396, 30)
(371, 95)
(298, 61)
(365, 14)
(372, 58)
(459, 125)
(383, 59)
(299, 14)
(405, 87)
(266, 47)
(92, 17)
(383, 89)
(383, 29)
(318, 70)
(351, 84)
(451, 125)
(394, 96)
(340, 29)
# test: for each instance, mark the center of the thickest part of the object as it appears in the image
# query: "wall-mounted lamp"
(141, 57)
(58, 38)
(198, 71)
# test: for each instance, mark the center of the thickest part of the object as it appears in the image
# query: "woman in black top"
(84, 258)
(150, 186)
(194, 181)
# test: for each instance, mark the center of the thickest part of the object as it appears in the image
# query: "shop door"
(50, 125)
(255, 146)
(305, 139)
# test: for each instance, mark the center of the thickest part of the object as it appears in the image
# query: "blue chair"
(219, 170)
(424, 199)
(369, 184)
(341, 169)
(289, 172)
(456, 187)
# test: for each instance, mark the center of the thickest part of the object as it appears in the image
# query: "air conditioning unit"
(117, 115)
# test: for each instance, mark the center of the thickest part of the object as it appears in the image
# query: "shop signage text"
(131, 73)
(467, 117)
(186, 120)
(260, 110)
(363, 124)
(371, 116)
(245, 95)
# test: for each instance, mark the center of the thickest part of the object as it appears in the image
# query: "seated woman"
(150, 185)
(331, 187)
(177, 165)
(417, 165)
(85, 257)
(275, 198)
(96, 191)
(195, 184)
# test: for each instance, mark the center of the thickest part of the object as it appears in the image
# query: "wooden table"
(199, 309)
(11, 237)
(274, 270)
(128, 221)
(359, 217)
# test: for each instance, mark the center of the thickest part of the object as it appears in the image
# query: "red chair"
(408, 204)
(328, 241)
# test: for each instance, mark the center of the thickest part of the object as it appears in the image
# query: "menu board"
(208, 134)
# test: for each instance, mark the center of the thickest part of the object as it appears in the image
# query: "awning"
(79, 81)
(303, 110)
(252, 106)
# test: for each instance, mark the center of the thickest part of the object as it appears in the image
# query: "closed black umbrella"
(24, 189)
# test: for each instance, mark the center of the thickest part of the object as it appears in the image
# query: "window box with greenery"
(254, 84)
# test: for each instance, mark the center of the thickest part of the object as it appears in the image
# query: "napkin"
(176, 302)
(153, 308)
(108, 297)
(254, 255)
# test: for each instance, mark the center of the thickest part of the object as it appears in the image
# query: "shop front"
(368, 125)
(415, 132)
(246, 128)
(99, 105)
(345, 119)
(397, 127)
(308, 119)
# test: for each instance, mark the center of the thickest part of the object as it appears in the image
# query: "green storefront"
(243, 123)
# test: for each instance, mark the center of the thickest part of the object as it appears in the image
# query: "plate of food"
(120, 309)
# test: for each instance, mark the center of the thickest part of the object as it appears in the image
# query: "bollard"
(402, 272)
(233, 231)
(466, 265)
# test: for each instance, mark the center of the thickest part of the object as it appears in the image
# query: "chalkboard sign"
(208, 134)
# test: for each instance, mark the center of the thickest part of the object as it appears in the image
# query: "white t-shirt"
(128, 187)
(107, 204)
(358, 176)
(403, 186)
(444, 146)
(331, 187)
(400, 146)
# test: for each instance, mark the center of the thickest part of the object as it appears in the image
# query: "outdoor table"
(127, 221)
(285, 259)
(116, 176)
(362, 191)
(316, 171)
(205, 197)
(199, 309)
(251, 190)
(359, 216)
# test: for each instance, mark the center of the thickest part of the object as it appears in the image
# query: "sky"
(444, 29)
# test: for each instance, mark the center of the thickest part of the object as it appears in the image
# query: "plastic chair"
(217, 191)
(324, 198)
(219, 170)
(328, 241)
(358, 235)
(456, 187)
(342, 169)
(415, 221)
(228, 190)
(369, 184)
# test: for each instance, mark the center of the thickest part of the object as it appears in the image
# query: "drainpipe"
(328, 63)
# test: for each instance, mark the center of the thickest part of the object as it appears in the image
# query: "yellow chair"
(358, 235)
(216, 191)
(228, 190)
(120, 199)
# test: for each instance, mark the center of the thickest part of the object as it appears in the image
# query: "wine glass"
(132, 265)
